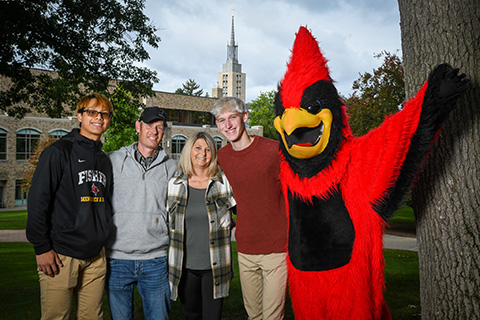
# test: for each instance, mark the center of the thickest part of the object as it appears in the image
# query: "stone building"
(18, 137)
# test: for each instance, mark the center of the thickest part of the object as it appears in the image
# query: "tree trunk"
(446, 197)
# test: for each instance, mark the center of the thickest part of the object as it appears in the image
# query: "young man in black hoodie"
(69, 214)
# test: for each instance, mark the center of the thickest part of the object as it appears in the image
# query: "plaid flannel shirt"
(220, 203)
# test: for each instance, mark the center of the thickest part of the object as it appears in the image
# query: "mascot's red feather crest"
(340, 190)
(307, 66)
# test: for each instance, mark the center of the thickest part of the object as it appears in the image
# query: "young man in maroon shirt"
(252, 165)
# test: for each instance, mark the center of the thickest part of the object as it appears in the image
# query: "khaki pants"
(84, 280)
(263, 278)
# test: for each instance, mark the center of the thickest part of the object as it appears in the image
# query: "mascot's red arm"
(387, 158)
(377, 158)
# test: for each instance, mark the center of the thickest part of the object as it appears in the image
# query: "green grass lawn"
(402, 284)
(19, 289)
(13, 220)
(403, 218)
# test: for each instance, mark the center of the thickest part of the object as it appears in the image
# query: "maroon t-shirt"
(254, 175)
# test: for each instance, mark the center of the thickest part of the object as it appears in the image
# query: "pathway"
(390, 241)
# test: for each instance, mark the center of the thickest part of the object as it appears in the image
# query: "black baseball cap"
(153, 114)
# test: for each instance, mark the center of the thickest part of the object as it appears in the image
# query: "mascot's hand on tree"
(453, 84)
(445, 86)
(448, 84)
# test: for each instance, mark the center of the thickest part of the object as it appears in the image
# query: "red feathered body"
(339, 189)
(364, 169)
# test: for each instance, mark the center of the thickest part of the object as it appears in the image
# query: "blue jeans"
(151, 279)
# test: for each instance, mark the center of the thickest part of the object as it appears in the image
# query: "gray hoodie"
(139, 229)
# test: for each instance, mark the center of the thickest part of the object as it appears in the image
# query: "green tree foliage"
(190, 88)
(262, 113)
(86, 43)
(376, 94)
(126, 111)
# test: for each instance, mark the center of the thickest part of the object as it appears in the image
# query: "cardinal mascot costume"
(340, 190)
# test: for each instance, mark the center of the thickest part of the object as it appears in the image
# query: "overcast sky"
(194, 36)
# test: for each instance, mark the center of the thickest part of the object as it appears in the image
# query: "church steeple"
(231, 81)
(232, 64)
(232, 49)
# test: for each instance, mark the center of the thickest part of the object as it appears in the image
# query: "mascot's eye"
(315, 107)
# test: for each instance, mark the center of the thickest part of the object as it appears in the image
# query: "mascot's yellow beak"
(304, 135)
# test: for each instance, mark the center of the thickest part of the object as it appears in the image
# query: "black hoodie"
(69, 202)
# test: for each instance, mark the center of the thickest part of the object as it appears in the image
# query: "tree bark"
(446, 196)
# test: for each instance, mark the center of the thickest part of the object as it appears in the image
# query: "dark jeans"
(196, 294)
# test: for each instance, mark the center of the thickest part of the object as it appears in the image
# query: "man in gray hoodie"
(137, 247)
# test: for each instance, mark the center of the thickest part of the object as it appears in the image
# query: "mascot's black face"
(311, 134)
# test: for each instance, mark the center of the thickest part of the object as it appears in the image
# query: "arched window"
(178, 142)
(3, 144)
(218, 142)
(27, 140)
(57, 134)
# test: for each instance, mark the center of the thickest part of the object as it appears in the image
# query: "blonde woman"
(200, 203)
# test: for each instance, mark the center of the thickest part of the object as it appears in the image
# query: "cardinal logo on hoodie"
(95, 189)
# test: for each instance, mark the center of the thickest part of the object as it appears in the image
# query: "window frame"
(3, 144)
(178, 141)
(30, 137)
